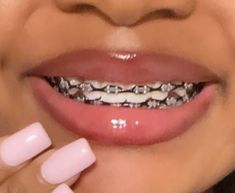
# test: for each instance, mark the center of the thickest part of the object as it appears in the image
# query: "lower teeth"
(153, 96)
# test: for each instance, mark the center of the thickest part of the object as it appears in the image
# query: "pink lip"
(112, 125)
(123, 67)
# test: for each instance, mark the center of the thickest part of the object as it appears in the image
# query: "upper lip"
(124, 67)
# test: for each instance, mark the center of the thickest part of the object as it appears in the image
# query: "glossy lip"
(123, 126)
(123, 67)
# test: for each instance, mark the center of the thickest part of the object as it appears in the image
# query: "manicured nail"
(63, 188)
(24, 145)
(67, 162)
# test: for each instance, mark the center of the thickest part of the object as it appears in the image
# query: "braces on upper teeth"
(157, 95)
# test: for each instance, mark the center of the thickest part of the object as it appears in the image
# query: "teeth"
(167, 87)
(64, 84)
(73, 91)
(128, 97)
(153, 104)
(154, 95)
(181, 91)
(171, 101)
(86, 87)
(108, 98)
(158, 95)
(112, 89)
(156, 85)
(73, 81)
(188, 86)
(143, 89)
(98, 85)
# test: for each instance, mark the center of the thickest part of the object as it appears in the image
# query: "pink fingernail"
(24, 145)
(63, 188)
(67, 162)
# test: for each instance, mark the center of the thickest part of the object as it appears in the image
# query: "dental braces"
(117, 89)
(77, 90)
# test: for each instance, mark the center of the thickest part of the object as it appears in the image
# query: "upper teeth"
(153, 95)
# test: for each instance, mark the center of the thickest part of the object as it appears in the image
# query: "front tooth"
(73, 81)
(155, 85)
(108, 98)
(123, 87)
(133, 98)
(128, 97)
(95, 95)
(98, 85)
(114, 98)
(180, 91)
(158, 95)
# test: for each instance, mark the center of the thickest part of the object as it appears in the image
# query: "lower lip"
(122, 126)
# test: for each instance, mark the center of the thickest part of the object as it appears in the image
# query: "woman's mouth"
(124, 98)
(153, 95)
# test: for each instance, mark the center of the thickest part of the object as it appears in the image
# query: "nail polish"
(24, 145)
(63, 188)
(67, 162)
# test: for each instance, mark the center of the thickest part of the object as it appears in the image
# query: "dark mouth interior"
(78, 91)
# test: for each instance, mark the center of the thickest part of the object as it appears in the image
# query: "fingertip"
(67, 162)
(24, 145)
(63, 188)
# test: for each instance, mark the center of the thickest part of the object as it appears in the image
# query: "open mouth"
(157, 95)
(123, 98)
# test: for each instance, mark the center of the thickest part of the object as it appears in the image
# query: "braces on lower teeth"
(158, 95)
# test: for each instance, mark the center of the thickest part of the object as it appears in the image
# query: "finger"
(63, 188)
(55, 167)
(20, 147)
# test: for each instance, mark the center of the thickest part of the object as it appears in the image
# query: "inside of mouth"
(158, 95)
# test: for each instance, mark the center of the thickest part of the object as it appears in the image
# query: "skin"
(34, 31)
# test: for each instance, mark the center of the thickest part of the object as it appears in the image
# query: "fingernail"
(67, 162)
(63, 188)
(24, 145)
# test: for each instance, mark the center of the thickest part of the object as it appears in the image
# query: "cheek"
(224, 13)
